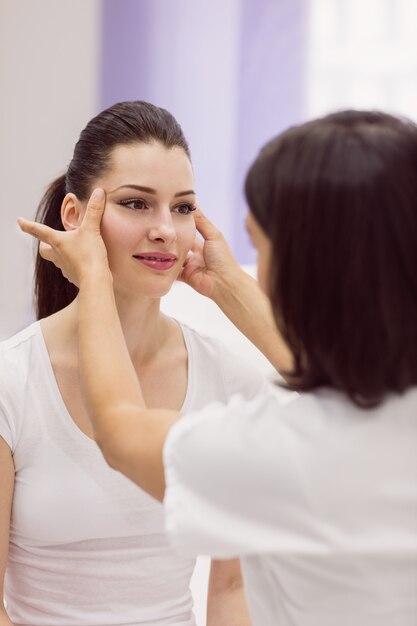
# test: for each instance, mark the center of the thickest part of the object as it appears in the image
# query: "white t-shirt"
(317, 496)
(87, 546)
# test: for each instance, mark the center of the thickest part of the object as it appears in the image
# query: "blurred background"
(233, 73)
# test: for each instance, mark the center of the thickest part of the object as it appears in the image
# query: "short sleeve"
(7, 427)
(18, 369)
(216, 482)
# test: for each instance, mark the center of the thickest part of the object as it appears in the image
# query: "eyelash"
(190, 208)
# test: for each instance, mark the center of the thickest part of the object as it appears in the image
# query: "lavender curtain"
(233, 75)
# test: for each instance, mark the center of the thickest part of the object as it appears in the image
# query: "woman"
(318, 495)
(85, 546)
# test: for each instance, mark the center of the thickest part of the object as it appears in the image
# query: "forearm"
(243, 302)
(130, 436)
(226, 604)
(228, 609)
(107, 375)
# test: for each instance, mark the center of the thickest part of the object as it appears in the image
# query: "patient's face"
(148, 225)
(263, 248)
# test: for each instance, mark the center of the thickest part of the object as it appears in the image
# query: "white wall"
(363, 55)
(49, 55)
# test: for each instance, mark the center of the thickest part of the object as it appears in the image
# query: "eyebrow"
(152, 191)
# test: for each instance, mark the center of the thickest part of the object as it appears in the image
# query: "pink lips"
(156, 260)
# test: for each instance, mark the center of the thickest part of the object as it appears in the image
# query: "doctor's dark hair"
(337, 197)
(124, 123)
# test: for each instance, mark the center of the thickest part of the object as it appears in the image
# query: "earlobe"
(71, 212)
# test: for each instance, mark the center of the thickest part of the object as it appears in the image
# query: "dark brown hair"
(337, 197)
(121, 124)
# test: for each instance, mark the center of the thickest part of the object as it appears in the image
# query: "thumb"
(206, 228)
(95, 210)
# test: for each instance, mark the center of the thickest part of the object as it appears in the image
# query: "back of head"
(338, 199)
(122, 124)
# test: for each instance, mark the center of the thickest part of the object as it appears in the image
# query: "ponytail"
(53, 291)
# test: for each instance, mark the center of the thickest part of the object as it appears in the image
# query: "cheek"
(261, 275)
(116, 232)
(263, 270)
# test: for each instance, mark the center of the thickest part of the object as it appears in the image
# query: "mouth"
(157, 261)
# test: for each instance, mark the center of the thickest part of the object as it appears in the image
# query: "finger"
(49, 254)
(40, 231)
(197, 246)
(187, 259)
(95, 210)
(46, 251)
(206, 228)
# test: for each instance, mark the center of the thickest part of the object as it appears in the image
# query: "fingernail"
(98, 194)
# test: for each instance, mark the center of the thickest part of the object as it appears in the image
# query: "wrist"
(228, 286)
(94, 275)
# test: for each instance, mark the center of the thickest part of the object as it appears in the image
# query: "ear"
(72, 212)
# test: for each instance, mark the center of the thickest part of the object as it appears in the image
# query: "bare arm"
(130, 436)
(249, 309)
(6, 496)
(214, 272)
(226, 604)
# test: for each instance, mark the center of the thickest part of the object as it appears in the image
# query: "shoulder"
(294, 434)
(15, 369)
(20, 339)
(232, 371)
(310, 461)
(218, 473)
(206, 345)
(20, 343)
(16, 354)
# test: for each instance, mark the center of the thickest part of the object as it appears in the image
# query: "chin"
(157, 293)
(154, 287)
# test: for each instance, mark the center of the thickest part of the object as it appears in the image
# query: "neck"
(144, 327)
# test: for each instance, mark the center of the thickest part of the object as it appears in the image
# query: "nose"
(162, 229)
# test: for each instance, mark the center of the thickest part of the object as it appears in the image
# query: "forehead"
(150, 165)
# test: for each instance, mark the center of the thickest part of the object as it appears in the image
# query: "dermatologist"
(317, 493)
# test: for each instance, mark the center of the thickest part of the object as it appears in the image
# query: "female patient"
(86, 547)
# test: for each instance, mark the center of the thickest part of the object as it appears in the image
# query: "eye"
(136, 204)
(184, 209)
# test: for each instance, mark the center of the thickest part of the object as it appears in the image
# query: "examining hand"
(77, 253)
(213, 271)
(211, 265)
